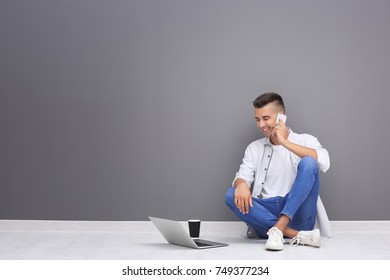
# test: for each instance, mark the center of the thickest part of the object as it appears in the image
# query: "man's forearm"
(299, 150)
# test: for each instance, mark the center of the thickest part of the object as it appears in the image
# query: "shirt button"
(262, 183)
(258, 196)
(265, 168)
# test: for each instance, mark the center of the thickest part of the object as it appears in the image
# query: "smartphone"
(281, 117)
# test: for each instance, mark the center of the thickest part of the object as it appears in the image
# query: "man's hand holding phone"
(280, 129)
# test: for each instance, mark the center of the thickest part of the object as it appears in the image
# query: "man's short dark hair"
(267, 98)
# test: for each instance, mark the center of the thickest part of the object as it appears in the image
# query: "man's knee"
(229, 196)
(308, 163)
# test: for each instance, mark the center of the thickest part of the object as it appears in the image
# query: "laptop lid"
(175, 234)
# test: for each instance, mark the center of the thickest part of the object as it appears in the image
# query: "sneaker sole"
(274, 248)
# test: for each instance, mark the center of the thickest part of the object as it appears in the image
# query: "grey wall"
(116, 110)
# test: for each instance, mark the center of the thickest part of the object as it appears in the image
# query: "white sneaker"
(310, 237)
(275, 240)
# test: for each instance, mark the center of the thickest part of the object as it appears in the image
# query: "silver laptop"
(175, 234)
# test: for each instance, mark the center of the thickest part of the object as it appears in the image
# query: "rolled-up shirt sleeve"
(323, 160)
(247, 167)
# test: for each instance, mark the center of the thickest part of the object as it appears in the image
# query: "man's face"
(266, 118)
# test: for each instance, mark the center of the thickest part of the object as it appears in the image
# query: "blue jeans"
(300, 204)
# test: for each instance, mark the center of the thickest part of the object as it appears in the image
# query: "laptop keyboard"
(201, 244)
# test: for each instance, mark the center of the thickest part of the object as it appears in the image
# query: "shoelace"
(295, 241)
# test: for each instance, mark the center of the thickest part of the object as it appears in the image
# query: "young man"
(283, 167)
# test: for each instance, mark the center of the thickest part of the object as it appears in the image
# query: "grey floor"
(80, 240)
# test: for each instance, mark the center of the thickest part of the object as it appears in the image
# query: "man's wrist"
(284, 143)
(241, 182)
